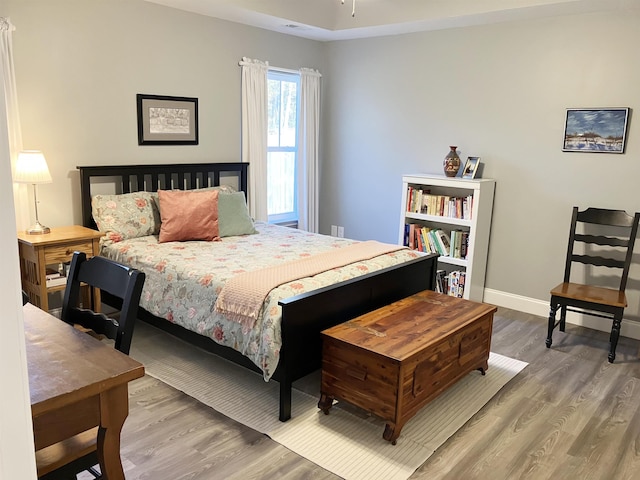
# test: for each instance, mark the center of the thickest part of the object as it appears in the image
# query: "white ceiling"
(327, 20)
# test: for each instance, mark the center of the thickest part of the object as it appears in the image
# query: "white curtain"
(13, 119)
(16, 430)
(308, 137)
(254, 133)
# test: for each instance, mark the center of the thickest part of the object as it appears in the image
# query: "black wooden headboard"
(150, 178)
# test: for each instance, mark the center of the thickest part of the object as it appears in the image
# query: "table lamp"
(31, 167)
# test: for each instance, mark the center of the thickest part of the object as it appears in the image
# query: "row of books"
(422, 201)
(57, 277)
(436, 240)
(451, 283)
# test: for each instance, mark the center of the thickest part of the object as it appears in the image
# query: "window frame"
(293, 216)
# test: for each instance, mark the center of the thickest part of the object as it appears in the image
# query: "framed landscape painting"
(164, 120)
(596, 130)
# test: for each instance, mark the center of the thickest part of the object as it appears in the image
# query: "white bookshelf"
(478, 225)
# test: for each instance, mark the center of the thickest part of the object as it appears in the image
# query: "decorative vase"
(451, 162)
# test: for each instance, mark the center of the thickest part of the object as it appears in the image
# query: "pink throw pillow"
(188, 215)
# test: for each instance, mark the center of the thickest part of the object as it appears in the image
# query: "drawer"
(62, 253)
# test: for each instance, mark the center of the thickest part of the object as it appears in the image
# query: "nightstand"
(39, 251)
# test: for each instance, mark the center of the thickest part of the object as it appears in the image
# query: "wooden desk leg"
(114, 408)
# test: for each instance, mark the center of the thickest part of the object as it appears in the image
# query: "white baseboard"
(541, 307)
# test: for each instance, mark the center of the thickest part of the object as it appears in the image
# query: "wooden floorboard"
(570, 415)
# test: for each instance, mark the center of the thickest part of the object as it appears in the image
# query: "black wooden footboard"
(305, 316)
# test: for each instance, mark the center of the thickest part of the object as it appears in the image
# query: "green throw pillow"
(233, 215)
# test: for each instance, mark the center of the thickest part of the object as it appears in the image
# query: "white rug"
(348, 445)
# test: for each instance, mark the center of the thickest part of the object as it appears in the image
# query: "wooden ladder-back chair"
(76, 454)
(608, 237)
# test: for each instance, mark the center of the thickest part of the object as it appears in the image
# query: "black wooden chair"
(78, 454)
(607, 238)
(121, 282)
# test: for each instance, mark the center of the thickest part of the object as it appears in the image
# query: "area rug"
(344, 442)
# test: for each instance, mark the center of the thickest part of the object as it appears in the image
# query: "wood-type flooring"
(568, 415)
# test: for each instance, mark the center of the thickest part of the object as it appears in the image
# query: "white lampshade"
(31, 167)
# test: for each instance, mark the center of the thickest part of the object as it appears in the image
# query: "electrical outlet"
(334, 231)
(341, 232)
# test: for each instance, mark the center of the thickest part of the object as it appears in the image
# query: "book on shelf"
(456, 283)
(425, 202)
(54, 281)
(440, 281)
(416, 238)
(55, 277)
(412, 236)
(464, 245)
(444, 241)
(51, 272)
(424, 232)
(416, 200)
(459, 241)
(425, 239)
(433, 242)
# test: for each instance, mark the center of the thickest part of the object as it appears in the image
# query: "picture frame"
(165, 120)
(470, 167)
(596, 130)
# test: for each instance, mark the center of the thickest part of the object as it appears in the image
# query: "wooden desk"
(76, 383)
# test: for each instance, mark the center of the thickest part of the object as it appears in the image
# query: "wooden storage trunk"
(395, 359)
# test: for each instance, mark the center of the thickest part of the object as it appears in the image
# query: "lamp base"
(38, 229)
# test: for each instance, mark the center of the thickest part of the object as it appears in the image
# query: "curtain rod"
(287, 70)
(248, 61)
(283, 70)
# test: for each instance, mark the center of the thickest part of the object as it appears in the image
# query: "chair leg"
(96, 474)
(552, 322)
(563, 318)
(615, 334)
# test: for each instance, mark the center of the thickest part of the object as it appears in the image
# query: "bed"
(355, 289)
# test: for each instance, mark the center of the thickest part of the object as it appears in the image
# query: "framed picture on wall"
(595, 130)
(164, 120)
(470, 167)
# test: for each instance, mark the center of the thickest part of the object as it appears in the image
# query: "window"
(282, 146)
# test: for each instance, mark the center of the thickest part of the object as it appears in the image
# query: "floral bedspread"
(183, 280)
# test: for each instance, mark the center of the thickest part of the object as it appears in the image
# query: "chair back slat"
(120, 281)
(597, 261)
(602, 240)
(622, 231)
(98, 322)
(603, 216)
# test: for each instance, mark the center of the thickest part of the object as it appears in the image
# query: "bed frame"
(304, 316)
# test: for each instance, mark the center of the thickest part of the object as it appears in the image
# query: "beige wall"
(80, 64)
(391, 105)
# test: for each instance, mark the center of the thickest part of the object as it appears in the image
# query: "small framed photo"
(470, 167)
(595, 130)
(164, 120)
